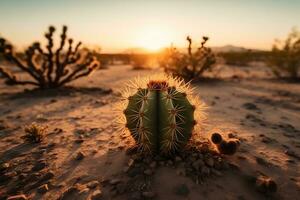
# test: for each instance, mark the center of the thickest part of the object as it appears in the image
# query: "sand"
(263, 113)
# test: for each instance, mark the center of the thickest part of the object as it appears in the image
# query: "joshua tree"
(285, 58)
(190, 65)
(49, 68)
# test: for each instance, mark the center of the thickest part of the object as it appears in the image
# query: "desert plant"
(160, 114)
(34, 133)
(190, 65)
(243, 58)
(49, 68)
(228, 147)
(285, 57)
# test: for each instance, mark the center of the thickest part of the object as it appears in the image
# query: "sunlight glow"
(153, 38)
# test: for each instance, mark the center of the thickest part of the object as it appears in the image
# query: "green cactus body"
(160, 118)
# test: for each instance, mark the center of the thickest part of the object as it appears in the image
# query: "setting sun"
(153, 38)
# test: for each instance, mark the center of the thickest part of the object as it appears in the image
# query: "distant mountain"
(226, 48)
(135, 50)
(231, 48)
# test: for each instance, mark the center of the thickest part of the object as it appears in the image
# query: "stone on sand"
(79, 156)
(97, 195)
(43, 189)
(92, 184)
(17, 197)
(148, 194)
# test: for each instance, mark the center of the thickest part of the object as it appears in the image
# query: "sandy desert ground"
(84, 154)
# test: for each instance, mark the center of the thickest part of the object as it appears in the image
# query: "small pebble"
(43, 189)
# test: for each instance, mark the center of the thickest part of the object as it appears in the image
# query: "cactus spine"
(160, 118)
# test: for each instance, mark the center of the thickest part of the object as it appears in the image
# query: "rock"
(49, 175)
(161, 163)
(2, 127)
(200, 156)
(80, 131)
(43, 189)
(250, 106)
(209, 162)
(148, 195)
(51, 145)
(39, 166)
(92, 184)
(94, 151)
(261, 161)
(79, 141)
(84, 191)
(4, 167)
(169, 163)
(61, 185)
(180, 172)
(267, 140)
(96, 195)
(33, 177)
(291, 161)
(182, 190)
(69, 193)
(148, 172)
(126, 169)
(198, 164)
(153, 164)
(205, 171)
(114, 181)
(73, 191)
(136, 196)
(234, 166)
(159, 158)
(147, 160)
(130, 162)
(291, 153)
(134, 171)
(80, 156)
(7, 176)
(17, 197)
(231, 135)
(224, 165)
(178, 159)
(57, 131)
(22, 176)
(216, 172)
(265, 184)
(121, 188)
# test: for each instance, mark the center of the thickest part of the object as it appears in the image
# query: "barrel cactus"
(161, 114)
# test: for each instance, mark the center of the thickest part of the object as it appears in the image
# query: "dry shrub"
(190, 65)
(285, 56)
(243, 58)
(48, 67)
(34, 133)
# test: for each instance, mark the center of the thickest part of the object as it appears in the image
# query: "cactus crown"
(160, 114)
(157, 85)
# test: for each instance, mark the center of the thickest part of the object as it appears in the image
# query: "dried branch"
(51, 68)
(190, 65)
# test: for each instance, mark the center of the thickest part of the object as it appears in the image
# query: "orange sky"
(118, 25)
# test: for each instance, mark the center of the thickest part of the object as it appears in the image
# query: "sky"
(117, 25)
